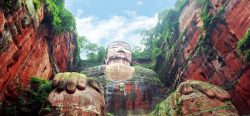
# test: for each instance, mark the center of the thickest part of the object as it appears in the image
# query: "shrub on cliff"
(36, 82)
(244, 45)
(60, 18)
(166, 30)
(28, 102)
(37, 4)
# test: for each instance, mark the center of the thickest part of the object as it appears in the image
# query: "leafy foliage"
(28, 102)
(228, 102)
(60, 18)
(110, 114)
(156, 52)
(148, 66)
(94, 53)
(78, 51)
(244, 45)
(137, 53)
(166, 31)
(47, 109)
(37, 4)
(204, 43)
(42, 93)
(201, 2)
(9, 6)
(161, 40)
(101, 53)
(38, 80)
(83, 41)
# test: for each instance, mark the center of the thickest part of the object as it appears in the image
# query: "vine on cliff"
(208, 23)
(244, 46)
(61, 19)
(161, 41)
(9, 6)
(167, 30)
(37, 4)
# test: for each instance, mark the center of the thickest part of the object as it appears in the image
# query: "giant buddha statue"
(118, 60)
(118, 88)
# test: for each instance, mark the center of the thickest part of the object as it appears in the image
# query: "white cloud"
(79, 12)
(102, 32)
(139, 3)
(130, 13)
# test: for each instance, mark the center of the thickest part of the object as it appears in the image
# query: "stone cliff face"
(28, 47)
(216, 62)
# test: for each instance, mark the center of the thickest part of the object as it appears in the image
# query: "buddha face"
(118, 52)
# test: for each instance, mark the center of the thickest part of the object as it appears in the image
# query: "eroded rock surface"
(218, 61)
(191, 99)
(29, 48)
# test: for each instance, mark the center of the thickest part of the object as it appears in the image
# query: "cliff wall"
(29, 47)
(209, 53)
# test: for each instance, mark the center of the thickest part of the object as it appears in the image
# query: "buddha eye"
(127, 48)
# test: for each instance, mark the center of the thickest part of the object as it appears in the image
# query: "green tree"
(94, 53)
(101, 53)
(91, 48)
(92, 57)
(60, 18)
(83, 41)
(147, 40)
(137, 53)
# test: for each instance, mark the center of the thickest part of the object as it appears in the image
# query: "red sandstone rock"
(192, 44)
(189, 100)
(237, 17)
(189, 13)
(227, 68)
(198, 104)
(26, 49)
(62, 50)
(2, 20)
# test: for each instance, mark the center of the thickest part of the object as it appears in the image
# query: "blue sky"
(104, 21)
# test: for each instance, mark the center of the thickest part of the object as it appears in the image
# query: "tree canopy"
(94, 52)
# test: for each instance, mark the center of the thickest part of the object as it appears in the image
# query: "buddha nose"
(121, 51)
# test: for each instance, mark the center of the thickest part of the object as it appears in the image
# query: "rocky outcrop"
(189, 102)
(214, 59)
(28, 47)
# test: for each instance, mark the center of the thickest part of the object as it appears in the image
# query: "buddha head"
(118, 52)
